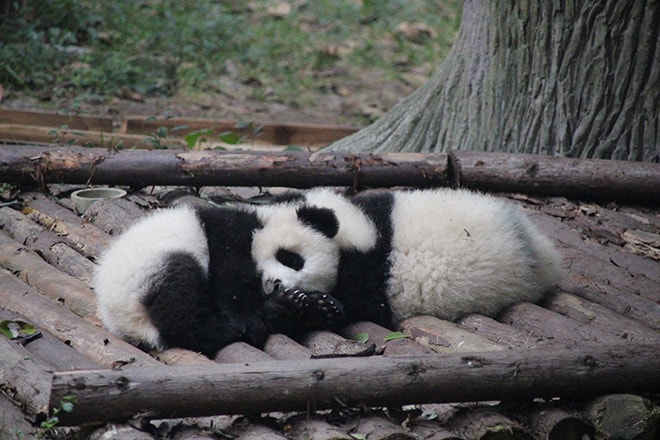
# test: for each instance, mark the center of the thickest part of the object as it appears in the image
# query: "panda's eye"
(290, 259)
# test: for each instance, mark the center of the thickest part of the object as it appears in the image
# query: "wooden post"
(164, 392)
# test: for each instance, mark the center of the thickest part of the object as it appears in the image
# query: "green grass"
(157, 47)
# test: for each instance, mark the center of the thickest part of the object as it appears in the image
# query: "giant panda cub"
(440, 252)
(192, 277)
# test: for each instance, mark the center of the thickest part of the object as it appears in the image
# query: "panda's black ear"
(323, 220)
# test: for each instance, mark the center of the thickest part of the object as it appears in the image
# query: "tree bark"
(392, 381)
(574, 79)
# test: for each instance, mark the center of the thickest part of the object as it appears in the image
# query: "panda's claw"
(320, 309)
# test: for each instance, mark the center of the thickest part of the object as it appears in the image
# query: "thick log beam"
(27, 165)
(581, 179)
(494, 172)
(164, 392)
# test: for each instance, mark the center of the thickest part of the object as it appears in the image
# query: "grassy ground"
(351, 57)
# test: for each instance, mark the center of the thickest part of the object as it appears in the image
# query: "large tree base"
(573, 79)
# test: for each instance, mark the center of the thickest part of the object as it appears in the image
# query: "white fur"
(356, 230)
(283, 230)
(137, 257)
(454, 252)
(459, 252)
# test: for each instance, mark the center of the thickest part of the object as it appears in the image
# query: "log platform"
(583, 364)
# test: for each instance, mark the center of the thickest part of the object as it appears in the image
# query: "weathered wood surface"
(624, 416)
(55, 120)
(24, 379)
(613, 283)
(47, 313)
(496, 172)
(48, 244)
(541, 175)
(56, 354)
(45, 127)
(28, 165)
(38, 274)
(111, 394)
(273, 133)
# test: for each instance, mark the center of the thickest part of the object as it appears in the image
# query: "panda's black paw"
(320, 309)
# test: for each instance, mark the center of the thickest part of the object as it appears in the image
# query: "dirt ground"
(348, 101)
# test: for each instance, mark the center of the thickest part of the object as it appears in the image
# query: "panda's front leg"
(314, 310)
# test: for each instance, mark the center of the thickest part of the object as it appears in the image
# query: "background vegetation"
(282, 50)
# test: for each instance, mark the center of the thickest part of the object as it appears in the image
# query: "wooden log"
(46, 243)
(52, 352)
(280, 346)
(241, 352)
(598, 317)
(484, 424)
(327, 344)
(543, 175)
(372, 426)
(258, 432)
(378, 335)
(392, 381)
(43, 277)
(558, 424)
(539, 321)
(503, 334)
(304, 427)
(113, 216)
(181, 357)
(428, 430)
(95, 343)
(624, 416)
(13, 423)
(444, 336)
(81, 235)
(574, 247)
(25, 379)
(27, 165)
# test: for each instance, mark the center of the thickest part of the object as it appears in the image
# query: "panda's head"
(295, 247)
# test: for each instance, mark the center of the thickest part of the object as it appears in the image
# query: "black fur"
(321, 219)
(204, 313)
(362, 277)
(362, 280)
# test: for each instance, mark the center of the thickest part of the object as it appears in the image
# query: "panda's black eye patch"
(290, 259)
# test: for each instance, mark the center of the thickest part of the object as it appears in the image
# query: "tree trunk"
(574, 79)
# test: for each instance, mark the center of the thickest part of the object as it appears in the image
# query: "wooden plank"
(164, 392)
(56, 120)
(270, 133)
(31, 134)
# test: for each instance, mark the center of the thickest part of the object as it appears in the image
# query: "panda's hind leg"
(184, 312)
